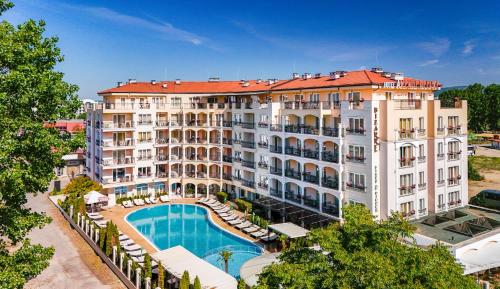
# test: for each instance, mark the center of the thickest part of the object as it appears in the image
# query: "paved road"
(74, 264)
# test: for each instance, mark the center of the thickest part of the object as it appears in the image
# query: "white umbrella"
(94, 197)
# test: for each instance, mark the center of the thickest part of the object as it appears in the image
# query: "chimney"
(119, 84)
(306, 75)
(317, 75)
(295, 75)
(153, 82)
(131, 80)
(377, 70)
(177, 81)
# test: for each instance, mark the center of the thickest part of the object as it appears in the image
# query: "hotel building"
(316, 141)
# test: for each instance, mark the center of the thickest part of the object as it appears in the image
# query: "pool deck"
(117, 215)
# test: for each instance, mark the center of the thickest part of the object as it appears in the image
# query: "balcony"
(330, 131)
(161, 158)
(161, 141)
(263, 165)
(276, 192)
(118, 161)
(144, 175)
(227, 159)
(440, 183)
(144, 157)
(292, 151)
(407, 104)
(355, 131)
(276, 149)
(263, 185)
(454, 155)
(262, 124)
(355, 159)
(161, 123)
(422, 186)
(144, 140)
(291, 173)
(292, 105)
(330, 157)
(117, 125)
(227, 123)
(276, 127)
(311, 154)
(294, 197)
(406, 133)
(119, 106)
(310, 130)
(145, 122)
(454, 180)
(144, 105)
(330, 209)
(161, 175)
(406, 162)
(330, 182)
(118, 179)
(248, 125)
(276, 171)
(248, 184)
(453, 204)
(122, 143)
(356, 187)
(248, 144)
(227, 141)
(310, 178)
(406, 190)
(292, 128)
(408, 214)
(248, 164)
(312, 203)
(262, 144)
(227, 177)
(440, 156)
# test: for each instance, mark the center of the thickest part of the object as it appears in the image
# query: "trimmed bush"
(197, 283)
(222, 197)
(161, 276)
(184, 283)
(243, 205)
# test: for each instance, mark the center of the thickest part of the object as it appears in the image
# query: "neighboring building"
(74, 166)
(85, 103)
(70, 126)
(369, 137)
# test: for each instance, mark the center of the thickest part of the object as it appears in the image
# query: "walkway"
(74, 264)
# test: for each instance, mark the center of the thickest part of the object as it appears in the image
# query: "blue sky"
(455, 42)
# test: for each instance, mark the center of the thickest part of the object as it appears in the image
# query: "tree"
(161, 276)
(147, 266)
(79, 186)
(76, 140)
(31, 92)
(242, 284)
(283, 239)
(185, 282)
(364, 253)
(197, 283)
(225, 256)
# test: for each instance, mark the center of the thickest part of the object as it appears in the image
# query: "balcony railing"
(161, 158)
(406, 133)
(421, 159)
(248, 144)
(292, 151)
(355, 131)
(249, 184)
(276, 127)
(311, 105)
(406, 162)
(263, 124)
(227, 177)
(145, 122)
(117, 125)
(248, 164)
(227, 159)
(330, 157)
(263, 165)
(311, 154)
(161, 140)
(276, 149)
(310, 130)
(262, 144)
(330, 131)
(292, 128)
(118, 161)
(356, 187)
(407, 104)
(227, 123)
(262, 185)
(276, 192)
(293, 174)
(355, 159)
(454, 181)
(227, 141)
(330, 182)
(311, 178)
(276, 171)
(294, 197)
(312, 203)
(248, 125)
(330, 209)
(406, 190)
(453, 156)
(422, 186)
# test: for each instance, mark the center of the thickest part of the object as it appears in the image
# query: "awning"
(252, 268)
(483, 258)
(177, 259)
(94, 197)
(289, 229)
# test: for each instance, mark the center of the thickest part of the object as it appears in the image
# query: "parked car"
(487, 198)
(471, 150)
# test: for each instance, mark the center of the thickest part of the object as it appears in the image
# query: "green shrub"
(79, 186)
(243, 205)
(197, 283)
(147, 266)
(222, 197)
(241, 284)
(184, 283)
(472, 171)
(161, 276)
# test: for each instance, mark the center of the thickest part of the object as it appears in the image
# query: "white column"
(129, 268)
(91, 232)
(138, 278)
(114, 254)
(87, 226)
(79, 219)
(196, 187)
(71, 212)
(122, 255)
(148, 282)
(96, 236)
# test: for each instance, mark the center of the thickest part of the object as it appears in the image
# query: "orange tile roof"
(353, 78)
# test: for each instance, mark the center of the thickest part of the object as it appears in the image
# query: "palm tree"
(225, 256)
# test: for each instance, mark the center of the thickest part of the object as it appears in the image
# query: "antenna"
(165, 74)
(376, 58)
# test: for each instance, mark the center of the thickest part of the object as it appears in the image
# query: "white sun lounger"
(219, 207)
(153, 200)
(259, 233)
(123, 237)
(133, 247)
(230, 218)
(127, 204)
(138, 202)
(272, 236)
(223, 210)
(251, 229)
(244, 225)
(95, 217)
(127, 242)
(139, 259)
(164, 199)
(101, 223)
(93, 214)
(236, 221)
(136, 253)
(147, 200)
(202, 200)
(209, 202)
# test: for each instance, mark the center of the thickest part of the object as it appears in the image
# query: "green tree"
(31, 92)
(79, 186)
(225, 256)
(364, 253)
(197, 283)
(185, 282)
(161, 276)
(242, 284)
(147, 265)
(76, 140)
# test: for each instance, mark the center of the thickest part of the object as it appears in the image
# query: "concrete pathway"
(74, 264)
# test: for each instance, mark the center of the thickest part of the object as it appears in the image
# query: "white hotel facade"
(318, 142)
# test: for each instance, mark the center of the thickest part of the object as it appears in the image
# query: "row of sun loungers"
(224, 212)
(142, 202)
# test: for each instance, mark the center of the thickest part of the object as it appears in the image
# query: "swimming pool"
(190, 226)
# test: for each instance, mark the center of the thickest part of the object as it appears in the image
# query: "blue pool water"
(167, 226)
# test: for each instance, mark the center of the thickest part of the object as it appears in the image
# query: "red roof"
(70, 126)
(352, 78)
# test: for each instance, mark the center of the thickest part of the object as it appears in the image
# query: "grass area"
(485, 163)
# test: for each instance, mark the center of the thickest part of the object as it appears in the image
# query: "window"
(334, 98)
(440, 150)
(60, 171)
(144, 154)
(421, 205)
(144, 136)
(356, 125)
(406, 184)
(421, 124)
(356, 180)
(421, 151)
(453, 175)
(411, 95)
(314, 97)
(144, 172)
(175, 102)
(405, 127)
(454, 198)
(356, 152)
(407, 208)
(440, 176)
(421, 178)
(452, 121)
(406, 156)
(144, 119)
(120, 192)
(142, 189)
(388, 95)
(422, 95)
(440, 125)
(440, 201)
(159, 187)
(354, 96)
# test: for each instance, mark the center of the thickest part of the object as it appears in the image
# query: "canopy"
(177, 259)
(94, 197)
(479, 259)
(252, 268)
(289, 229)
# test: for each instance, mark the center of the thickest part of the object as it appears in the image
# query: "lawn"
(485, 163)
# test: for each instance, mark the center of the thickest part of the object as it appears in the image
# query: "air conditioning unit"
(153, 82)
(335, 75)
(306, 75)
(377, 70)
(295, 75)
(387, 74)
(258, 80)
(213, 79)
(132, 80)
(317, 75)
(271, 81)
(397, 76)
(177, 81)
(164, 85)
(245, 84)
(119, 84)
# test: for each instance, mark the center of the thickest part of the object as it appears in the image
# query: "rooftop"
(460, 226)
(336, 79)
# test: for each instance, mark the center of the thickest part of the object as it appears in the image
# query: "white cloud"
(437, 47)
(468, 47)
(429, 62)
(164, 29)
